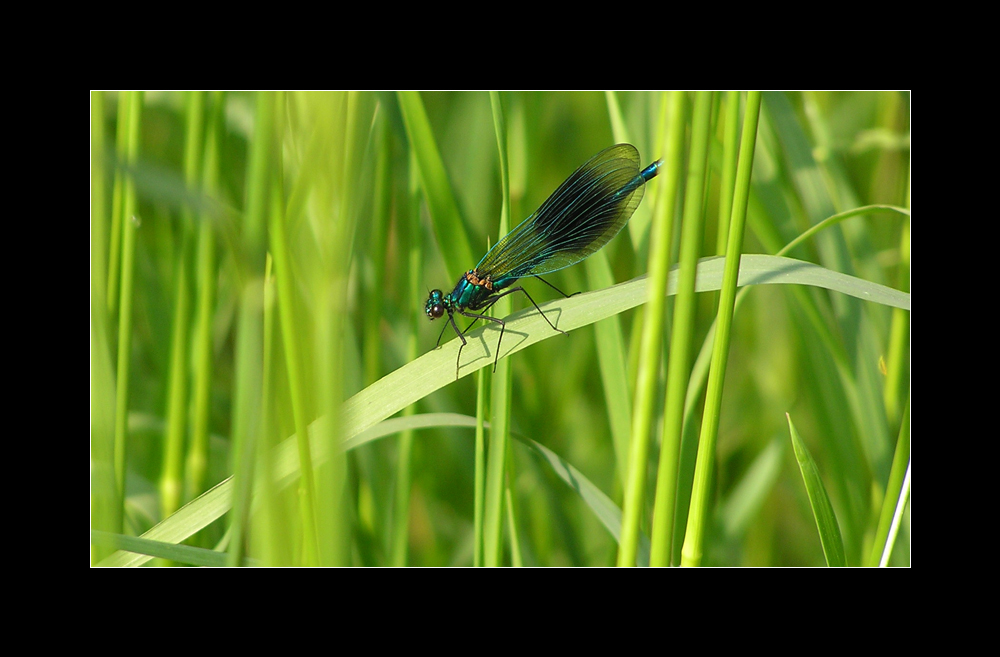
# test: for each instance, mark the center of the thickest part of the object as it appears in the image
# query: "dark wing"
(579, 218)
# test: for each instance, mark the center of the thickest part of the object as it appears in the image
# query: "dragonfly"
(577, 220)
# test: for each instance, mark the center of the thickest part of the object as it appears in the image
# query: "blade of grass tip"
(826, 520)
(691, 552)
(171, 480)
(177, 553)
(401, 514)
(652, 335)
(250, 328)
(206, 274)
(682, 334)
(102, 385)
(893, 489)
(129, 228)
(445, 216)
(496, 463)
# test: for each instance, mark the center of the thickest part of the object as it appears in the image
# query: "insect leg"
(555, 288)
(458, 359)
(502, 324)
(492, 300)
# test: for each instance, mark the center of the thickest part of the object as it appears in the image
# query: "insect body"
(579, 218)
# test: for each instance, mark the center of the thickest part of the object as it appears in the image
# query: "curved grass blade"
(435, 369)
(213, 504)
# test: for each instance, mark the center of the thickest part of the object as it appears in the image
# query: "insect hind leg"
(555, 288)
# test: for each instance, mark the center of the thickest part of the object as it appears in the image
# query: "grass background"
(318, 194)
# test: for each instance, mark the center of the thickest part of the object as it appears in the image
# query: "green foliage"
(210, 367)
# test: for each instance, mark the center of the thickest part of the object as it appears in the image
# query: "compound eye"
(437, 310)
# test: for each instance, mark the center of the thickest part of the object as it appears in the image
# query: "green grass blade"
(401, 510)
(893, 490)
(447, 220)
(130, 224)
(436, 369)
(603, 507)
(186, 554)
(250, 324)
(103, 497)
(206, 275)
(497, 462)
(681, 334)
(186, 522)
(897, 518)
(694, 536)
(172, 478)
(526, 327)
(826, 520)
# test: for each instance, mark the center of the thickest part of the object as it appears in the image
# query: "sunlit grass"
(196, 379)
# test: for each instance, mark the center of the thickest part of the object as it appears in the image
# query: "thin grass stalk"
(479, 500)
(699, 372)
(893, 489)
(377, 248)
(897, 361)
(268, 541)
(118, 201)
(414, 239)
(612, 360)
(290, 336)
(129, 227)
(248, 376)
(612, 354)
(206, 275)
(652, 335)
(691, 552)
(98, 204)
(496, 465)
(682, 334)
(335, 196)
(727, 183)
(172, 478)
(510, 503)
(102, 386)
(445, 216)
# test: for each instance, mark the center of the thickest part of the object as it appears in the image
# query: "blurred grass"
(351, 230)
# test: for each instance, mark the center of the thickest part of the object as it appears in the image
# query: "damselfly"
(579, 218)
